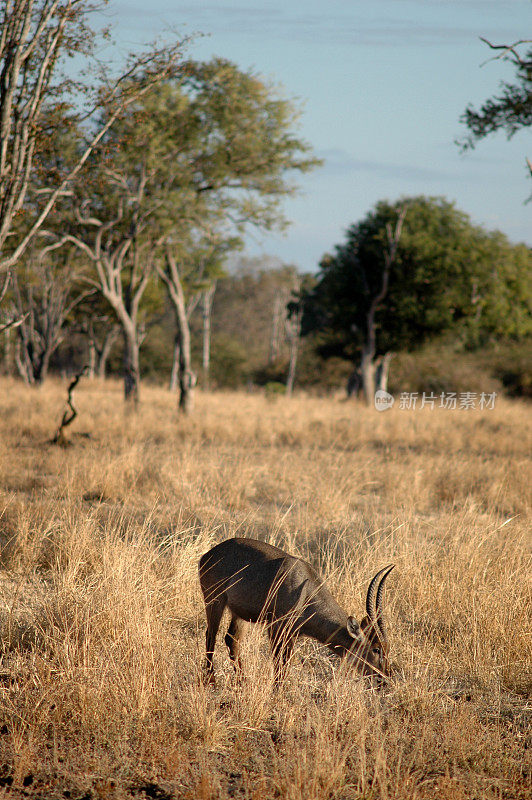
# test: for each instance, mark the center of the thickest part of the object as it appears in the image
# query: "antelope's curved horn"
(373, 593)
(378, 604)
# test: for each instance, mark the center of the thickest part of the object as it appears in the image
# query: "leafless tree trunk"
(279, 309)
(6, 323)
(368, 365)
(131, 370)
(293, 331)
(206, 308)
(186, 377)
(9, 354)
(367, 372)
(99, 343)
(174, 375)
(124, 294)
(382, 372)
(354, 383)
(104, 351)
(91, 366)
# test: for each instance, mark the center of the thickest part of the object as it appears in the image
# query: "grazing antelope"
(261, 583)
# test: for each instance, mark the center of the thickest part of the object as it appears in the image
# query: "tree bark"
(290, 380)
(368, 365)
(174, 375)
(23, 364)
(8, 353)
(382, 371)
(275, 338)
(354, 383)
(294, 337)
(186, 378)
(105, 351)
(131, 366)
(41, 368)
(207, 300)
(91, 369)
(367, 371)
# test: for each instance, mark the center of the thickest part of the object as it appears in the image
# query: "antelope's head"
(369, 650)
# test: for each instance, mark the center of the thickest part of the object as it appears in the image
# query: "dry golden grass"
(102, 623)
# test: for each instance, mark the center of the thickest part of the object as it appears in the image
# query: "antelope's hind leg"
(214, 611)
(232, 640)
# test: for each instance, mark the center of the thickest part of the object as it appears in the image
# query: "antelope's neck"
(328, 627)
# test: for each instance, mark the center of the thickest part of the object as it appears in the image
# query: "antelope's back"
(256, 580)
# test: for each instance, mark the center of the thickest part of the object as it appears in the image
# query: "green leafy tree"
(447, 275)
(176, 180)
(237, 153)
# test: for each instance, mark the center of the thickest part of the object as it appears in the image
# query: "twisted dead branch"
(70, 413)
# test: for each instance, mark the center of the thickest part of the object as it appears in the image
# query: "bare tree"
(278, 323)
(190, 307)
(188, 282)
(122, 275)
(186, 378)
(101, 332)
(43, 297)
(371, 369)
(206, 313)
(293, 335)
(34, 34)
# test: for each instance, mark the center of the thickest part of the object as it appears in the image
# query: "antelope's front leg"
(281, 644)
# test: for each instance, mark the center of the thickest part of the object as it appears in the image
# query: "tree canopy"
(448, 275)
(510, 109)
(173, 183)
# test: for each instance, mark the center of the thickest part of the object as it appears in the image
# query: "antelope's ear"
(354, 630)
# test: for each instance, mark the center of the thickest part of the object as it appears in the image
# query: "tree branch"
(505, 49)
(71, 412)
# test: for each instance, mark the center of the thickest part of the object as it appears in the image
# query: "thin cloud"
(340, 26)
(339, 162)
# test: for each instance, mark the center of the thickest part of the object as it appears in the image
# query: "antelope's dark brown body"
(258, 582)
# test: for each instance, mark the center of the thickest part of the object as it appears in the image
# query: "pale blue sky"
(383, 85)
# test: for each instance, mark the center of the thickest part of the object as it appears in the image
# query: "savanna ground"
(102, 621)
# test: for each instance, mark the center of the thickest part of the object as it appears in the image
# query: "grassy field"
(102, 621)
